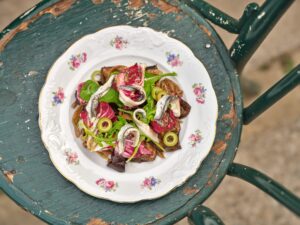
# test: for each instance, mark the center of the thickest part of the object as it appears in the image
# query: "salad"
(129, 114)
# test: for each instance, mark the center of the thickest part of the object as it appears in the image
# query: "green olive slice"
(104, 125)
(170, 139)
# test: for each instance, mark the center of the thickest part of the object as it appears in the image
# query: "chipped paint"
(159, 216)
(135, 4)
(231, 115)
(190, 190)
(48, 212)
(116, 2)
(96, 2)
(207, 32)
(31, 74)
(56, 10)
(9, 175)
(228, 136)
(219, 147)
(97, 221)
(208, 184)
(178, 18)
(151, 16)
(165, 6)
(27, 12)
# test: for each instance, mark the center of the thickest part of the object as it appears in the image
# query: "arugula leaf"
(126, 111)
(88, 89)
(112, 96)
(116, 127)
(149, 84)
(150, 75)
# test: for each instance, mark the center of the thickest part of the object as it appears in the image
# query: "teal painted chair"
(31, 44)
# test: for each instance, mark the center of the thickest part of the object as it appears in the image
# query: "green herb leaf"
(149, 83)
(117, 125)
(88, 89)
(152, 75)
(112, 96)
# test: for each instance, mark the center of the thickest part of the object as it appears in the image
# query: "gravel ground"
(268, 144)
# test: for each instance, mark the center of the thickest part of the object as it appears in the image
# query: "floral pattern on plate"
(107, 185)
(58, 96)
(199, 91)
(71, 157)
(173, 59)
(195, 138)
(76, 60)
(150, 182)
(119, 42)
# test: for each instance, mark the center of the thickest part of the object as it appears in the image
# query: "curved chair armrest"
(266, 184)
(202, 215)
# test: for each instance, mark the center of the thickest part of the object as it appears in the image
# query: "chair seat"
(28, 48)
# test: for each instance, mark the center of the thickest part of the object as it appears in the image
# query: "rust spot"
(208, 32)
(9, 175)
(96, 2)
(179, 17)
(208, 184)
(159, 216)
(135, 4)
(151, 16)
(55, 9)
(219, 147)
(190, 191)
(165, 6)
(116, 2)
(96, 221)
(228, 136)
(231, 115)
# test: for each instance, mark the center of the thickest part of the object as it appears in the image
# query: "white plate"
(126, 45)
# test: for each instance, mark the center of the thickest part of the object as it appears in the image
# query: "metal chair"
(31, 44)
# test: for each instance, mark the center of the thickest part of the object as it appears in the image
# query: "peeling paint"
(159, 216)
(48, 212)
(190, 190)
(231, 115)
(56, 10)
(179, 17)
(208, 184)
(9, 175)
(207, 32)
(151, 16)
(135, 4)
(219, 147)
(165, 6)
(97, 221)
(116, 2)
(96, 2)
(228, 136)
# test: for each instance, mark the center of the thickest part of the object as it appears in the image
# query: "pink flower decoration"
(200, 100)
(173, 60)
(77, 60)
(58, 96)
(150, 182)
(119, 42)
(195, 138)
(71, 157)
(200, 92)
(107, 185)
